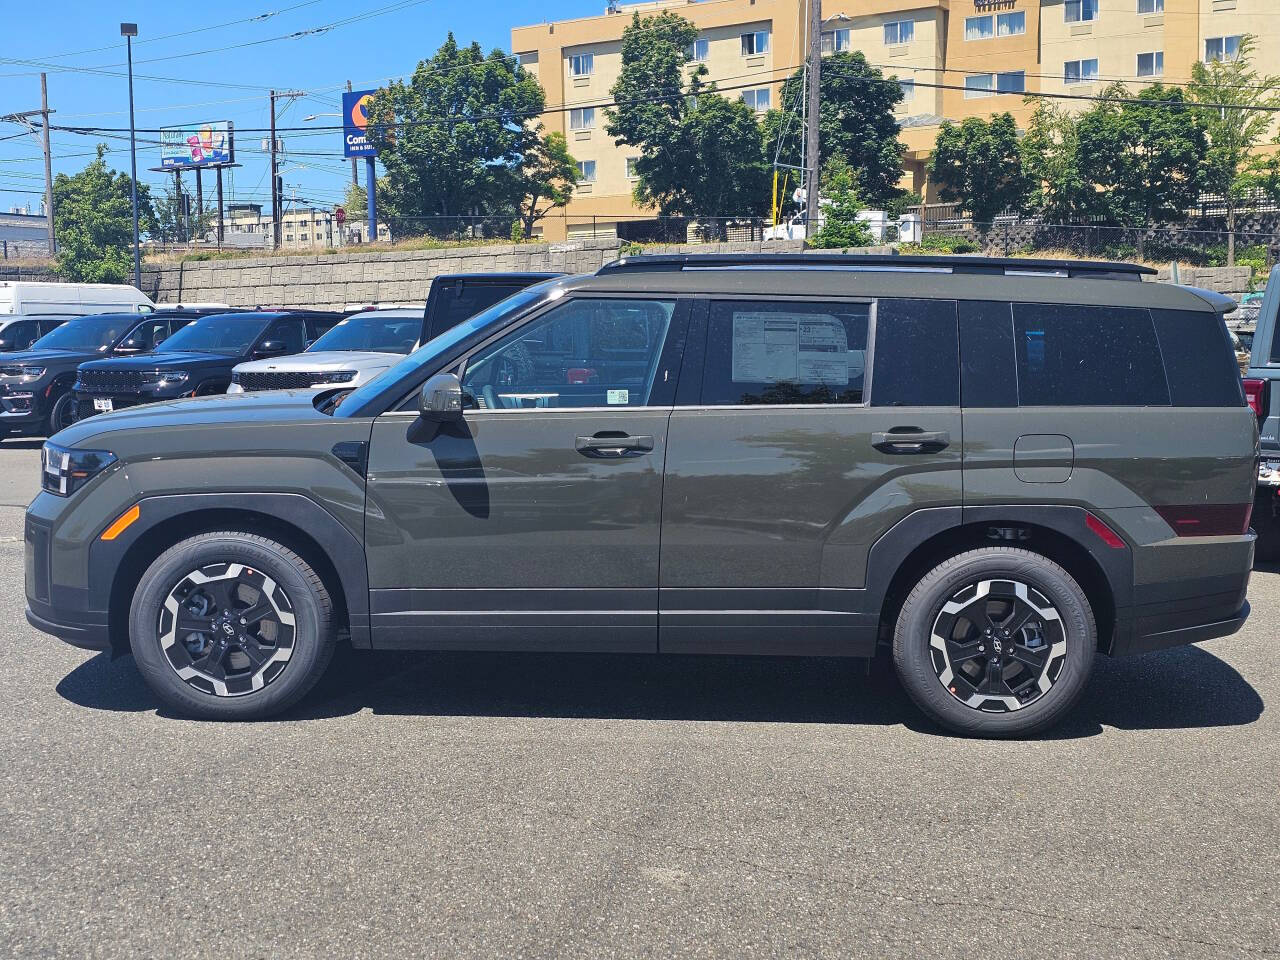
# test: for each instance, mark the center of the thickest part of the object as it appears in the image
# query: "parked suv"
(366, 343)
(1262, 387)
(19, 331)
(198, 359)
(992, 469)
(35, 384)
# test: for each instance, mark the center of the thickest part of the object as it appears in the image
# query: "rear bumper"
(1175, 623)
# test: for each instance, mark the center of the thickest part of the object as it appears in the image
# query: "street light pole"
(129, 31)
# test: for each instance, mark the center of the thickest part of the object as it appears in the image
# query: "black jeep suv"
(197, 360)
(35, 384)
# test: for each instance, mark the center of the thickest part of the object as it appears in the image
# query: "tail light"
(1208, 519)
(1255, 392)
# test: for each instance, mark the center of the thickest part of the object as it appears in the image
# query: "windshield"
(88, 334)
(424, 356)
(227, 333)
(379, 331)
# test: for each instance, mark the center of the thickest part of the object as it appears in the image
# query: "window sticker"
(613, 397)
(801, 348)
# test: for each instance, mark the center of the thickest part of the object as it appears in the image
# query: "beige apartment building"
(954, 59)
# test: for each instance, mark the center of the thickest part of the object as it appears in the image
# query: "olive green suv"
(988, 469)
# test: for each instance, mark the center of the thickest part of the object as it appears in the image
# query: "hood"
(322, 360)
(216, 409)
(30, 358)
(161, 361)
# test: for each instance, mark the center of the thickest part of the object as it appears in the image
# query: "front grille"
(290, 379)
(111, 381)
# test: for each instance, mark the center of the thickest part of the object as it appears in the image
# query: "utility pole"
(355, 170)
(275, 197)
(129, 31)
(813, 117)
(48, 161)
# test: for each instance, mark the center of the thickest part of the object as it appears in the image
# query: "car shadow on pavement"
(1176, 689)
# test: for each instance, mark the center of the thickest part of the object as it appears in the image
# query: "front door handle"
(611, 445)
(911, 440)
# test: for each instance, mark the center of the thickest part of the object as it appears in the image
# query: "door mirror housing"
(271, 348)
(441, 399)
(129, 346)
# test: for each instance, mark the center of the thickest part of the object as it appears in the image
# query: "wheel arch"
(295, 521)
(1058, 533)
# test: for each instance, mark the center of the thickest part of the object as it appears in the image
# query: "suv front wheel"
(995, 642)
(231, 626)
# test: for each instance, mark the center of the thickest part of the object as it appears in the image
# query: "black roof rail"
(998, 266)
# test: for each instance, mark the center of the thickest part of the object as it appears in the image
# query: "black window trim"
(705, 320)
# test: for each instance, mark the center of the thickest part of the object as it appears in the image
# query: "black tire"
(939, 603)
(62, 414)
(310, 637)
(1266, 526)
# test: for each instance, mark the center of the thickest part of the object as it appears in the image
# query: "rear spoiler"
(1221, 303)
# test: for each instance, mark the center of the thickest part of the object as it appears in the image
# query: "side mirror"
(272, 348)
(129, 346)
(441, 399)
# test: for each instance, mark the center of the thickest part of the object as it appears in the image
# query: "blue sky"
(79, 42)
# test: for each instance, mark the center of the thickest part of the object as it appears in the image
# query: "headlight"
(339, 376)
(166, 378)
(64, 470)
(32, 373)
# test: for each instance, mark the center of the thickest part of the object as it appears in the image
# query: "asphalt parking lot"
(515, 806)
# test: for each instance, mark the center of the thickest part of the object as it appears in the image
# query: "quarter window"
(1087, 356)
(899, 31)
(761, 353)
(754, 43)
(584, 353)
(1198, 359)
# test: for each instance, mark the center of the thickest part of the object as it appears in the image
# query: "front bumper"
(86, 636)
(21, 410)
(85, 407)
(63, 611)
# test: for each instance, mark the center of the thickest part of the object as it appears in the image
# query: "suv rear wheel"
(231, 626)
(995, 642)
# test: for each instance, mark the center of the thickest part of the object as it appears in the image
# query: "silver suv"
(355, 351)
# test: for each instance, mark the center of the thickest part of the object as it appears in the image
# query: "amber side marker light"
(122, 523)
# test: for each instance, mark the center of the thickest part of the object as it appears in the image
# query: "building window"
(978, 85)
(303, 236)
(899, 31)
(582, 64)
(757, 100)
(1151, 6)
(1080, 71)
(908, 90)
(632, 174)
(835, 41)
(1221, 48)
(754, 43)
(1011, 24)
(1080, 11)
(698, 50)
(1014, 81)
(979, 28)
(586, 171)
(582, 118)
(1151, 64)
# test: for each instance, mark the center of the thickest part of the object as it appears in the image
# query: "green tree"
(701, 154)
(547, 178)
(453, 137)
(1144, 155)
(1240, 105)
(856, 123)
(841, 227)
(93, 221)
(1050, 158)
(172, 223)
(979, 166)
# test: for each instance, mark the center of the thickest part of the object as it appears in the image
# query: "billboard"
(355, 119)
(199, 145)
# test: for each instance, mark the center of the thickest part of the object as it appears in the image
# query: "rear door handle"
(911, 440)
(611, 445)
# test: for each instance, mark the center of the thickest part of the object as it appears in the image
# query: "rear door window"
(916, 361)
(1087, 356)
(988, 373)
(780, 352)
(1198, 358)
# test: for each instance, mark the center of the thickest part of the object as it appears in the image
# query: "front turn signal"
(121, 523)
